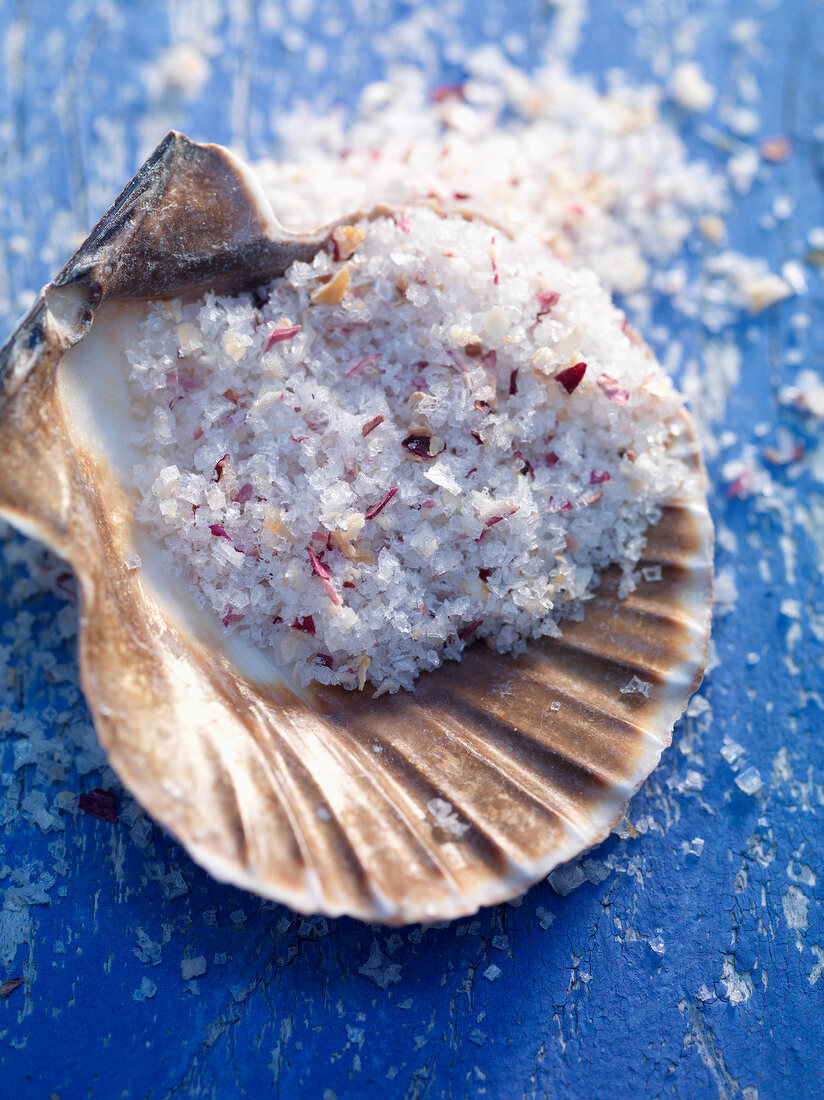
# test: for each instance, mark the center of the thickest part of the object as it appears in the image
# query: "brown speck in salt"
(370, 425)
(776, 149)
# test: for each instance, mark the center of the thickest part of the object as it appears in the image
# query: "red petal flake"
(306, 624)
(465, 631)
(219, 531)
(598, 477)
(317, 565)
(99, 803)
(324, 659)
(497, 519)
(231, 617)
(278, 335)
(613, 391)
(571, 377)
(418, 445)
(513, 383)
(244, 493)
(404, 224)
(546, 300)
(330, 592)
(220, 467)
(66, 584)
(740, 486)
(380, 507)
(369, 361)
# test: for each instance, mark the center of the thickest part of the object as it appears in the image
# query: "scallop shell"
(415, 807)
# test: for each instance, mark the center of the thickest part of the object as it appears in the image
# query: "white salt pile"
(437, 434)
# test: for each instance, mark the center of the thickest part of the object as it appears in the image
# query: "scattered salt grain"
(690, 88)
(544, 916)
(637, 686)
(192, 968)
(446, 818)
(749, 781)
(147, 990)
(174, 886)
(379, 969)
(567, 878)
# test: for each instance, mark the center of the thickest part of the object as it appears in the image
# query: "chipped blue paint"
(688, 962)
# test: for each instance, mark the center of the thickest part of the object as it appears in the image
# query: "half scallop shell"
(415, 807)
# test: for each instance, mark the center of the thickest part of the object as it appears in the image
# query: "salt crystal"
(690, 88)
(147, 990)
(637, 686)
(492, 972)
(567, 878)
(192, 968)
(379, 969)
(749, 781)
(544, 916)
(174, 885)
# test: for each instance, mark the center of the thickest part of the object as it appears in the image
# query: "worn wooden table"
(689, 961)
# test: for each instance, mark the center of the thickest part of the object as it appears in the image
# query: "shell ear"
(191, 218)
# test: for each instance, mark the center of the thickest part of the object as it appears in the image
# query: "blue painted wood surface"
(685, 971)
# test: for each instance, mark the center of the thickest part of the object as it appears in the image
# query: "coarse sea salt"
(503, 476)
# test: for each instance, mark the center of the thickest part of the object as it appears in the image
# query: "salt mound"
(437, 434)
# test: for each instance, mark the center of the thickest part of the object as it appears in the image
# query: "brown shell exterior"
(327, 804)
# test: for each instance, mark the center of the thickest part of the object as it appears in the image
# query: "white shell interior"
(92, 382)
